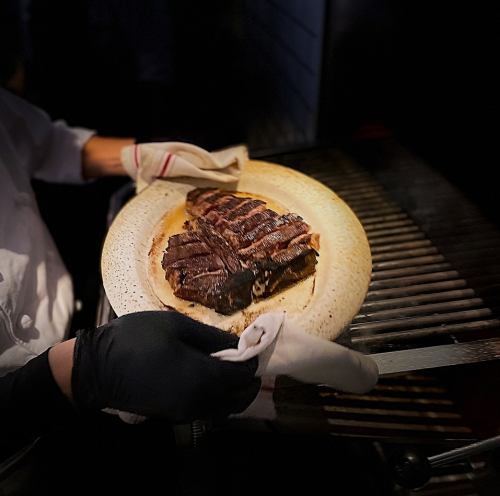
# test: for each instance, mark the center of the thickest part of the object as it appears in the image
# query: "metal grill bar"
(400, 238)
(374, 226)
(409, 270)
(418, 309)
(372, 234)
(406, 262)
(421, 321)
(392, 412)
(370, 212)
(416, 289)
(416, 300)
(403, 254)
(398, 282)
(409, 245)
(427, 332)
(443, 429)
(367, 220)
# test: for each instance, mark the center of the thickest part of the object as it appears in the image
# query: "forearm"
(61, 365)
(101, 157)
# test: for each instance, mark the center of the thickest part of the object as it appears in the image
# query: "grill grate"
(417, 296)
(412, 295)
(413, 409)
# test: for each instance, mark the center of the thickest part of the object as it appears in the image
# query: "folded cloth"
(127, 417)
(148, 161)
(285, 349)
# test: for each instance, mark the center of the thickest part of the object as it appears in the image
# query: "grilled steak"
(235, 250)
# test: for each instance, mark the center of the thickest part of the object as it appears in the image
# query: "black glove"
(158, 364)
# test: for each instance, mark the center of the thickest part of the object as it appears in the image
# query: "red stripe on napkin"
(168, 159)
(136, 157)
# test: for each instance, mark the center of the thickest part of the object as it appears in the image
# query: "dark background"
(274, 73)
(271, 73)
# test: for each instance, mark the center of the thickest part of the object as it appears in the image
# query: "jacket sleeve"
(51, 151)
(31, 403)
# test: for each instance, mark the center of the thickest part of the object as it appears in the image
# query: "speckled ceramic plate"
(324, 303)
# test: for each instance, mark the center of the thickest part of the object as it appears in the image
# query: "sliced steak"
(297, 269)
(208, 200)
(246, 208)
(187, 251)
(250, 222)
(267, 227)
(195, 201)
(274, 241)
(236, 250)
(217, 244)
(311, 239)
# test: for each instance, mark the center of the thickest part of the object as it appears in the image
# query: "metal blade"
(437, 356)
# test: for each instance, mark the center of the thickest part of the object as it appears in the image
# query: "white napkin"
(148, 161)
(285, 349)
(127, 417)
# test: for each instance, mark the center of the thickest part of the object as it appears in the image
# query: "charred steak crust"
(235, 250)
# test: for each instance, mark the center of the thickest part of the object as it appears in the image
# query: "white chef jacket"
(36, 293)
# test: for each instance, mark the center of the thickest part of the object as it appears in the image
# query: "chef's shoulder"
(17, 112)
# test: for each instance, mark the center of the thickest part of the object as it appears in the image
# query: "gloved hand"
(148, 161)
(158, 364)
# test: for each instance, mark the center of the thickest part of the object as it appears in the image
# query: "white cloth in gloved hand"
(148, 161)
(285, 349)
